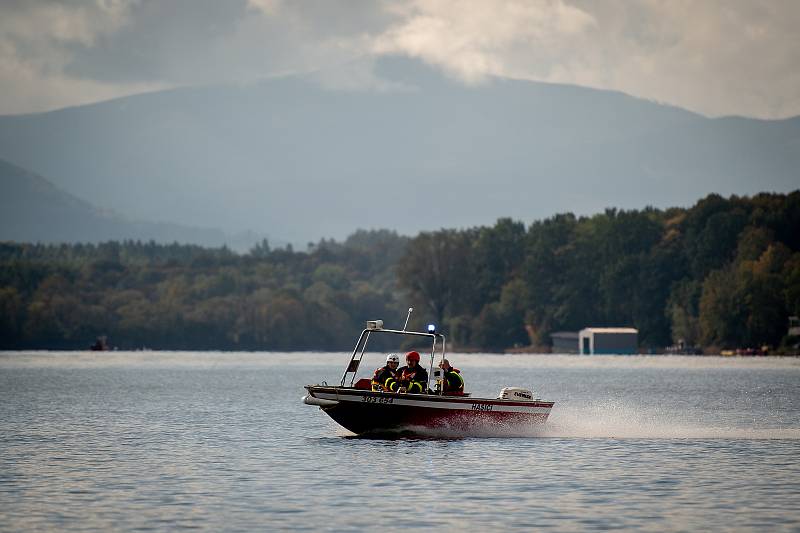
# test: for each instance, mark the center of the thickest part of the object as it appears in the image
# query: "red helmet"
(412, 356)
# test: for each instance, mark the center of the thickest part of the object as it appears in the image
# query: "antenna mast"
(410, 310)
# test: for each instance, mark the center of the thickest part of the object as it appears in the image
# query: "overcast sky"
(715, 57)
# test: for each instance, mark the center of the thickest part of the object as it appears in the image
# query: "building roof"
(610, 330)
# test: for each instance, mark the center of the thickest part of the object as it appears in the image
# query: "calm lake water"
(220, 441)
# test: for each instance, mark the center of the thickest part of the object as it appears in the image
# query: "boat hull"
(370, 412)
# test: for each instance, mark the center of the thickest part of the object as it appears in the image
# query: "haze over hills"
(297, 160)
(34, 210)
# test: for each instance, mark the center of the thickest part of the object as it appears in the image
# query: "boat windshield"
(436, 341)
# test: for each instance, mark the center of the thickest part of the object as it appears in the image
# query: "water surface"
(220, 441)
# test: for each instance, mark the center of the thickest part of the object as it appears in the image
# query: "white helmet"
(393, 358)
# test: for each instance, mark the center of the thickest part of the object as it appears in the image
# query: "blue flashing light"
(431, 328)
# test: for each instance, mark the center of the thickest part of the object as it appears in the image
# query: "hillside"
(34, 210)
(300, 161)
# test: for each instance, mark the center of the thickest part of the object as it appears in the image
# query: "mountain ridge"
(32, 209)
(308, 162)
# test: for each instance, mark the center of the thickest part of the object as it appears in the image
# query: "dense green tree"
(763, 287)
(725, 272)
(498, 252)
(683, 311)
(11, 313)
(744, 304)
(551, 254)
(437, 270)
(501, 324)
(791, 277)
(712, 229)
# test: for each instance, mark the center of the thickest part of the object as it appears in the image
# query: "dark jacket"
(413, 380)
(385, 379)
(453, 382)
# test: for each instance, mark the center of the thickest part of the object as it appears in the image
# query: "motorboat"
(356, 407)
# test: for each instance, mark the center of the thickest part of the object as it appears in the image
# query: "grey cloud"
(162, 41)
(202, 41)
(715, 57)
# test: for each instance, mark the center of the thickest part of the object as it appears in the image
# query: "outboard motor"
(517, 394)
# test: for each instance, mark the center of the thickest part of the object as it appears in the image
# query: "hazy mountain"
(33, 210)
(293, 159)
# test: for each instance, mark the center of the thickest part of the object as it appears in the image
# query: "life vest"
(413, 380)
(453, 382)
(385, 379)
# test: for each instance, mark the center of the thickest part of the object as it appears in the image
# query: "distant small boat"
(363, 411)
(100, 344)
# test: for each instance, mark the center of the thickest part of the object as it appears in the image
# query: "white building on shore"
(593, 341)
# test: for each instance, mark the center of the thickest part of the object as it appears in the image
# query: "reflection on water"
(155, 441)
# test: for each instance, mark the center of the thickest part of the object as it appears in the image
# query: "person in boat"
(412, 377)
(385, 378)
(452, 382)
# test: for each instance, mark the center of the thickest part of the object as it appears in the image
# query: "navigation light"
(431, 328)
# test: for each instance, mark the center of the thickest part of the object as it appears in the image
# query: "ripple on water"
(221, 442)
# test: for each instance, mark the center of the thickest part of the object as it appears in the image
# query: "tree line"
(148, 295)
(724, 273)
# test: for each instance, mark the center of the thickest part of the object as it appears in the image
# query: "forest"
(722, 274)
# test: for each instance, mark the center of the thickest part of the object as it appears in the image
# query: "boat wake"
(606, 420)
(613, 420)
